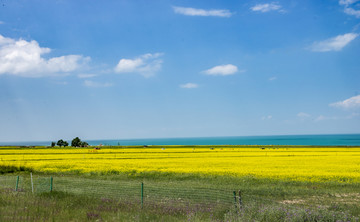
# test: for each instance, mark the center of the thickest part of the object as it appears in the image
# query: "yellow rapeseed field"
(341, 164)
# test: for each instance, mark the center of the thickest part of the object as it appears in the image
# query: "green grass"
(4, 169)
(175, 198)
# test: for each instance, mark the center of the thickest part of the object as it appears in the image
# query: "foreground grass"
(60, 206)
(95, 197)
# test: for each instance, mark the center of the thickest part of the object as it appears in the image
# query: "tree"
(76, 142)
(60, 143)
(53, 144)
(65, 144)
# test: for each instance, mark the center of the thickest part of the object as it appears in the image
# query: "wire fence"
(141, 193)
(176, 197)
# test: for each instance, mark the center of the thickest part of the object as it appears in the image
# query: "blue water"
(317, 140)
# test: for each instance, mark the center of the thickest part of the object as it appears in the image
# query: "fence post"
(32, 184)
(235, 199)
(17, 183)
(240, 200)
(51, 183)
(142, 195)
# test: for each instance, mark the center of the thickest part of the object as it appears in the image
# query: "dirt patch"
(298, 201)
(343, 198)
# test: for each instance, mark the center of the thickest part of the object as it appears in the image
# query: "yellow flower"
(339, 164)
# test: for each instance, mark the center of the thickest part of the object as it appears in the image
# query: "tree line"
(76, 142)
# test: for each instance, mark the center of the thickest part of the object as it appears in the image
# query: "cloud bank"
(334, 44)
(23, 58)
(202, 12)
(222, 70)
(147, 65)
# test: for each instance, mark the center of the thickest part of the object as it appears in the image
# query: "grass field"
(183, 183)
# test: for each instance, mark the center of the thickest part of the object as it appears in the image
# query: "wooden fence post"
(235, 199)
(142, 195)
(17, 183)
(32, 184)
(240, 199)
(51, 183)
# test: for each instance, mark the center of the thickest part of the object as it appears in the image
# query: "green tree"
(65, 144)
(76, 142)
(84, 144)
(53, 144)
(60, 143)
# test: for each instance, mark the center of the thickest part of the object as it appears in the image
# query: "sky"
(167, 68)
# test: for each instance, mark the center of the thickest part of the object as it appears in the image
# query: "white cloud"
(347, 2)
(85, 76)
(303, 115)
(321, 118)
(23, 58)
(351, 11)
(147, 65)
(272, 78)
(222, 70)
(353, 115)
(189, 86)
(202, 12)
(353, 102)
(348, 9)
(273, 6)
(90, 83)
(62, 83)
(1, 22)
(348, 117)
(334, 44)
(266, 117)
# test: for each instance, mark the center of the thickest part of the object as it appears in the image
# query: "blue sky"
(154, 69)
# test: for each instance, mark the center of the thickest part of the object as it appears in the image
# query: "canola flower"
(340, 164)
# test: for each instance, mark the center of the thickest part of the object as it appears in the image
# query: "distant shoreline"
(301, 140)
